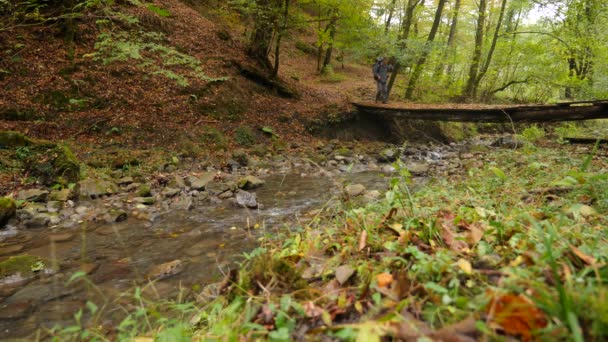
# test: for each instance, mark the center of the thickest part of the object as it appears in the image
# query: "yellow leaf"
(465, 266)
(518, 261)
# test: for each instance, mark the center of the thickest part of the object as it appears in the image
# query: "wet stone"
(246, 199)
(166, 270)
(38, 221)
(61, 237)
(170, 192)
(15, 310)
(33, 195)
(54, 206)
(226, 195)
(11, 249)
(355, 190)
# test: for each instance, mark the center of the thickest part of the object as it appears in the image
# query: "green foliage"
(160, 11)
(245, 136)
(533, 133)
(147, 48)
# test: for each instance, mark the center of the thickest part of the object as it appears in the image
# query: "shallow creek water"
(118, 256)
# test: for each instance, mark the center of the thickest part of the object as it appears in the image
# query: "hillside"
(167, 80)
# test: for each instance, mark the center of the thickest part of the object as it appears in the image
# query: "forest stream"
(118, 256)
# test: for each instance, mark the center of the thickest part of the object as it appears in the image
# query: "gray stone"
(184, 203)
(250, 182)
(95, 188)
(60, 195)
(246, 199)
(54, 206)
(508, 142)
(355, 190)
(417, 168)
(199, 183)
(115, 216)
(226, 194)
(38, 221)
(26, 214)
(388, 155)
(344, 273)
(170, 192)
(372, 195)
(177, 182)
(33, 195)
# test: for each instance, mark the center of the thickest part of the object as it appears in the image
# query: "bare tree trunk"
(425, 53)
(469, 90)
(330, 46)
(262, 35)
(391, 12)
(488, 60)
(403, 37)
(450, 43)
(281, 32)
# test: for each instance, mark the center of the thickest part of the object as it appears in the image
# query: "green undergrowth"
(527, 227)
(514, 247)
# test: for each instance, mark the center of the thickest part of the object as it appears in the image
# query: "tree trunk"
(281, 32)
(450, 43)
(330, 46)
(261, 38)
(488, 60)
(469, 90)
(391, 12)
(425, 53)
(403, 37)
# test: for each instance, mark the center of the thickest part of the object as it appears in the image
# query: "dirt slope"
(87, 100)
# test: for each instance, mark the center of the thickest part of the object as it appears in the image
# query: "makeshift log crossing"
(564, 111)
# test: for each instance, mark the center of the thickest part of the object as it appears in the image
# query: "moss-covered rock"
(26, 265)
(7, 210)
(11, 139)
(54, 164)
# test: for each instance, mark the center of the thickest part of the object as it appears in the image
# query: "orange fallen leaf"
(384, 279)
(516, 315)
(587, 259)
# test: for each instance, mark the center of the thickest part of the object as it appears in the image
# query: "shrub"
(533, 133)
(244, 136)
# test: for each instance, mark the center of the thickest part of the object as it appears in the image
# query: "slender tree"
(425, 52)
(469, 90)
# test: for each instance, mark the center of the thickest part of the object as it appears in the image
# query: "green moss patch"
(25, 264)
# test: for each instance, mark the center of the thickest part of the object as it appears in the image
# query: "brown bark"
(403, 37)
(469, 90)
(425, 53)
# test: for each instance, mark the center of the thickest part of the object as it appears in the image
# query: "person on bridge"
(381, 70)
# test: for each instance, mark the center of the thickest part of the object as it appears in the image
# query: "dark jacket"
(381, 71)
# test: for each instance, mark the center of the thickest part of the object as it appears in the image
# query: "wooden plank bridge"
(564, 111)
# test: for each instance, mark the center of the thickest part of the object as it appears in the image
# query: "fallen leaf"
(515, 315)
(474, 234)
(343, 273)
(363, 240)
(311, 310)
(465, 330)
(587, 259)
(448, 233)
(465, 266)
(384, 279)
